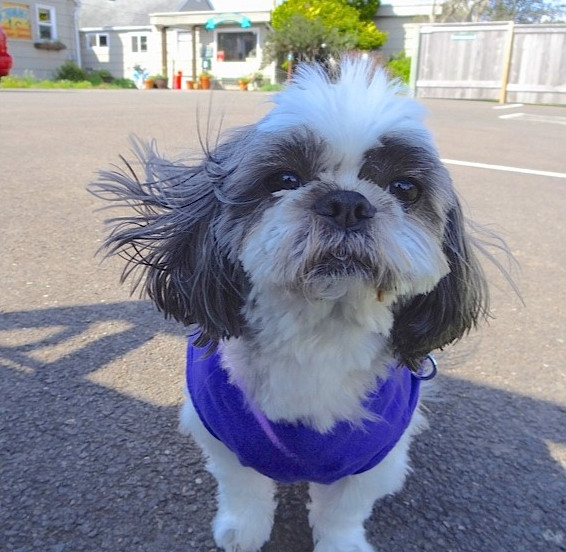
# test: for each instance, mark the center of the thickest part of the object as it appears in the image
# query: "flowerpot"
(243, 85)
(148, 84)
(190, 85)
(205, 82)
(161, 83)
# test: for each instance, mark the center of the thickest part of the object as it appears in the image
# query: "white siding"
(118, 57)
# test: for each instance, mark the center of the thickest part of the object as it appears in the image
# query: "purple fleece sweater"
(295, 452)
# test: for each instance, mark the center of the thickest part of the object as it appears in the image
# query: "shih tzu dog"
(319, 255)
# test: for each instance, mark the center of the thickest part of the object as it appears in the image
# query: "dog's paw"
(235, 533)
(344, 542)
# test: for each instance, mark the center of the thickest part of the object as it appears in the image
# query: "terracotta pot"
(205, 82)
(243, 85)
(148, 84)
(190, 85)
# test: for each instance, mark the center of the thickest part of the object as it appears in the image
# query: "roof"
(129, 13)
(120, 13)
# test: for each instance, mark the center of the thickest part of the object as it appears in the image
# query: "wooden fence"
(491, 61)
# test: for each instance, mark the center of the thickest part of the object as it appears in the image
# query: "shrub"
(271, 87)
(70, 71)
(124, 83)
(100, 76)
(399, 66)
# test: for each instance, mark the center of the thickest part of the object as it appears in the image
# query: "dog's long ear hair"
(170, 241)
(455, 306)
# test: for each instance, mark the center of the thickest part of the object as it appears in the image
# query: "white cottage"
(168, 37)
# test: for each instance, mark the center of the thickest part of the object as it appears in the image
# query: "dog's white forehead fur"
(351, 112)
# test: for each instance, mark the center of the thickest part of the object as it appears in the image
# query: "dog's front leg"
(338, 511)
(246, 502)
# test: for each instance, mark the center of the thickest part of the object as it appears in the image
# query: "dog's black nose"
(344, 208)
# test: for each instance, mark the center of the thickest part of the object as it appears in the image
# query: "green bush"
(70, 71)
(271, 87)
(124, 83)
(399, 66)
(93, 79)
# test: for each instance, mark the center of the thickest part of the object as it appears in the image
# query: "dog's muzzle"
(344, 209)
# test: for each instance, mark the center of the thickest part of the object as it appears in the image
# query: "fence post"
(507, 54)
(415, 62)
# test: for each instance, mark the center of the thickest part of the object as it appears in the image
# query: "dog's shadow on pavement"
(88, 467)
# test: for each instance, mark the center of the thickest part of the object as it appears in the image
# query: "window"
(46, 23)
(97, 40)
(139, 43)
(237, 46)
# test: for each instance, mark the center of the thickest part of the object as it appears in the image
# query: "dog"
(318, 256)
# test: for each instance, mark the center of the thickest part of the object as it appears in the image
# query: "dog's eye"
(405, 191)
(283, 180)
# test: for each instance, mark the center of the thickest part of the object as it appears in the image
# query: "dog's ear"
(433, 320)
(170, 241)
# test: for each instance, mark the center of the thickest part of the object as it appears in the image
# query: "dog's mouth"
(343, 269)
(339, 266)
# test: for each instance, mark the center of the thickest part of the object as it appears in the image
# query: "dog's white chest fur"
(311, 361)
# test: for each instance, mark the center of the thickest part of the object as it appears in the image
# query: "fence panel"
(538, 65)
(495, 61)
(460, 61)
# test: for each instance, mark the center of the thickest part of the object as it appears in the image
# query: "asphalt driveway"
(91, 378)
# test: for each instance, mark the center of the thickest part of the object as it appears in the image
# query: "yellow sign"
(15, 20)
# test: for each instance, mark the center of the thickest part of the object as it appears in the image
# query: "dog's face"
(339, 187)
(331, 221)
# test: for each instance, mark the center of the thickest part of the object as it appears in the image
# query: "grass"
(14, 81)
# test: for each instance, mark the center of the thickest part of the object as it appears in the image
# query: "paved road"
(91, 379)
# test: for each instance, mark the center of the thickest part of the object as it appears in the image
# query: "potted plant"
(204, 79)
(159, 81)
(243, 83)
(258, 80)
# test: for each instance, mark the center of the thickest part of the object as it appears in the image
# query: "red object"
(220, 56)
(5, 57)
(177, 80)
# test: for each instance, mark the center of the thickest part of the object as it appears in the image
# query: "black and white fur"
(316, 247)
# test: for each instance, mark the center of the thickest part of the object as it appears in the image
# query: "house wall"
(118, 56)
(20, 18)
(402, 35)
(399, 18)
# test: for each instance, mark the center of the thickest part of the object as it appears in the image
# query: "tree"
(366, 8)
(318, 28)
(524, 11)
(519, 11)
(307, 39)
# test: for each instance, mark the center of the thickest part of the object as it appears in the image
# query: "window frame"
(96, 36)
(137, 37)
(51, 25)
(238, 30)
